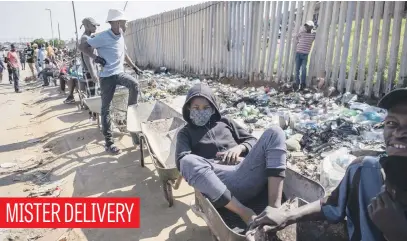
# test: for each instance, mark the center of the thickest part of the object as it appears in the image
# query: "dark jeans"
(108, 88)
(46, 75)
(16, 75)
(22, 65)
(301, 61)
(62, 81)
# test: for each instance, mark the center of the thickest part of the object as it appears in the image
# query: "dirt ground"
(46, 144)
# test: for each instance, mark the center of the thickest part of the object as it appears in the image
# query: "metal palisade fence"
(359, 47)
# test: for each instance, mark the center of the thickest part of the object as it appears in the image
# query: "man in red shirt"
(14, 61)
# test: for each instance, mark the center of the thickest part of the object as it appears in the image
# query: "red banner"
(70, 212)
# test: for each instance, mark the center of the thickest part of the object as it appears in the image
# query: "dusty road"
(46, 145)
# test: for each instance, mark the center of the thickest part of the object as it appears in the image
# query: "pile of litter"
(324, 134)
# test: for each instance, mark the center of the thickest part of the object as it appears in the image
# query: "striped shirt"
(304, 42)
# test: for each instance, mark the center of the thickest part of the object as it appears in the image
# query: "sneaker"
(302, 86)
(69, 101)
(112, 149)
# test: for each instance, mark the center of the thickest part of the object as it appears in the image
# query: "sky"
(30, 20)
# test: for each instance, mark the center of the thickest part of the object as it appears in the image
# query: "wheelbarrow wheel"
(167, 187)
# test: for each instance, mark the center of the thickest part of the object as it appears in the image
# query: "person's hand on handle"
(272, 219)
(100, 60)
(232, 156)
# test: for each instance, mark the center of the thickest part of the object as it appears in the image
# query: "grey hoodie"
(219, 134)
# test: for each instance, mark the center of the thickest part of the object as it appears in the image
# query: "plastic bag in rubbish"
(333, 167)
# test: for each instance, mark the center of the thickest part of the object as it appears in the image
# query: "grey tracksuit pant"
(243, 181)
(108, 88)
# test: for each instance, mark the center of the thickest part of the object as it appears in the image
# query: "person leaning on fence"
(111, 51)
(234, 180)
(304, 40)
(373, 212)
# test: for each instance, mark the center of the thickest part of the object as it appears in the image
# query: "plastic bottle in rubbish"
(373, 116)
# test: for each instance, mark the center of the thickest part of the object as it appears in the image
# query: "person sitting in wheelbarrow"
(233, 180)
(373, 193)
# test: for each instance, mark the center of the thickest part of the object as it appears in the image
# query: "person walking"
(42, 55)
(29, 53)
(2, 67)
(111, 51)
(304, 39)
(22, 59)
(35, 56)
(13, 61)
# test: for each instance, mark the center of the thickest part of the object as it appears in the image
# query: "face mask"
(200, 117)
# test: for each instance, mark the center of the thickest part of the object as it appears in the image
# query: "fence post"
(298, 24)
(282, 41)
(403, 71)
(395, 43)
(331, 42)
(289, 40)
(345, 50)
(363, 51)
(264, 39)
(338, 44)
(378, 8)
(275, 40)
(355, 50)
(378, 87)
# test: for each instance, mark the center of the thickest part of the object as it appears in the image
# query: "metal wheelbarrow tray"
(118, 106)
(156, 124)
(225, 225)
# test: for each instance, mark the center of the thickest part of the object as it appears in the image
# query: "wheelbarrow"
(118, 107)
(227, 226)
(156, 124)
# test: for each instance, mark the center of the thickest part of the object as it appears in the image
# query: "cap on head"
(115, 15)
(89, 21)
(393, 98)
(310, 23)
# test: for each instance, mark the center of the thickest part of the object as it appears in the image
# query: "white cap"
(115, 15)
(310, 23)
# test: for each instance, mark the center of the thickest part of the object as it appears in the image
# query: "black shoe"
(18, 91)
(112, 149)
(69, 101)
(295, 86)
(302, 87)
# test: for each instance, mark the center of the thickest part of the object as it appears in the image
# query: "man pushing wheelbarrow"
(111, 51)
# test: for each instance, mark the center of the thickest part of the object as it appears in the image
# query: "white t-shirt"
(111, 47)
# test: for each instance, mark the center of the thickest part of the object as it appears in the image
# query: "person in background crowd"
(304, 40)
(72, 82)
(373, 193)
(49, 71)
(88, 66)
(22, 59)
(63, 76)
(9, 70)
(29, 52)
(50, 52)
(14, 61)
(111, 51)
(35, 57)
(42, 54)
(2, 68)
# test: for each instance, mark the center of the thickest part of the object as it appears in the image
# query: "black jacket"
(220, 134)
